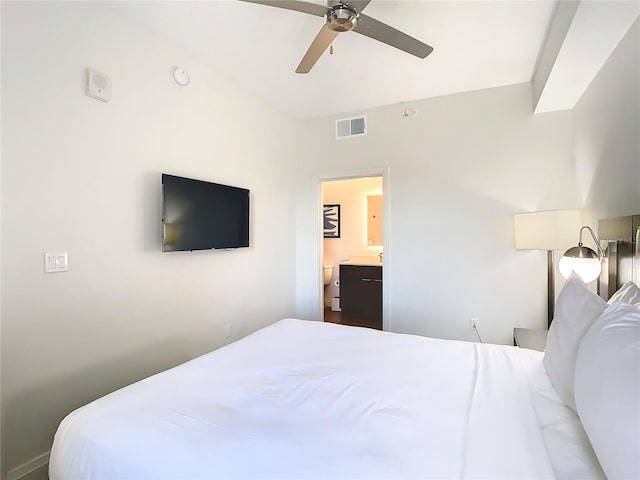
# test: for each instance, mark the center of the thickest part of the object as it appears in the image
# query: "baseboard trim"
(28, 467)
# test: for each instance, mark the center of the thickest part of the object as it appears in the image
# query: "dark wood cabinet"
(361, 294)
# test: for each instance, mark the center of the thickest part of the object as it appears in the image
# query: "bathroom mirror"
(374, 220)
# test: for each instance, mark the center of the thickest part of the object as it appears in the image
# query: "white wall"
(351, 195)
(83, 177)
(607, 134)
(458, 171)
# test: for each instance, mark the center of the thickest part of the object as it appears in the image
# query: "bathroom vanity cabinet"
(361, 294)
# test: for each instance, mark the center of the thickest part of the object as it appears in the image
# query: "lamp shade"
(549, 230)
(581, 260)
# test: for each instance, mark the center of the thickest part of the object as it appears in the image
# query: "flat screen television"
(199, 215)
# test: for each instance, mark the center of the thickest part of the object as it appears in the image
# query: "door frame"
(383, 172)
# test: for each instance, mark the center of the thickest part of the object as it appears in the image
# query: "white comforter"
(303, 399)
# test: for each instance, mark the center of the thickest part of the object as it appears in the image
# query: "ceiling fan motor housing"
(342, 18)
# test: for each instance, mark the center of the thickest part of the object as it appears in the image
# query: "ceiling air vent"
(351, 127)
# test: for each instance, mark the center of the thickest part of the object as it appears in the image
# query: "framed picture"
(331, 217)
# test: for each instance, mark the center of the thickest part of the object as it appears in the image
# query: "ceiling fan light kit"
(345, 16)
(342, 18)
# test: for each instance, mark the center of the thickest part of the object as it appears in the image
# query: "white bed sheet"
(566, 441)
(302, 399)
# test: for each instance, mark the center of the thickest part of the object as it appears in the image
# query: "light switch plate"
(56, 262)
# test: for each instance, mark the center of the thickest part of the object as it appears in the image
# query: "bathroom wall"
(351, 195)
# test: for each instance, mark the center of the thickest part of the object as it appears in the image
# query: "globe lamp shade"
(581, 260)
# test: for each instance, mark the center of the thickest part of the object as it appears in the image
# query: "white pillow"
(628, 293)
(607, 389)
(576, 309)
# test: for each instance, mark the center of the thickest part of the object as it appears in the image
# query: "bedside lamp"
(582, 260)
(549, 230)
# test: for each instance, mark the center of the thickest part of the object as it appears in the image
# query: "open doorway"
(352, 252)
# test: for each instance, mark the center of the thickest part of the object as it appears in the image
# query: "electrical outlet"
(474, 323)
(228, 331)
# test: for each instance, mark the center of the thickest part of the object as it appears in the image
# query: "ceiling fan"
(344, 16)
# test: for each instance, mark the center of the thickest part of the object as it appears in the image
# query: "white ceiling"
(477, 44)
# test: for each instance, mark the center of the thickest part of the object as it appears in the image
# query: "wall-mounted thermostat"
(98, 85)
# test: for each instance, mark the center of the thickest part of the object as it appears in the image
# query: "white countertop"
(363, 261)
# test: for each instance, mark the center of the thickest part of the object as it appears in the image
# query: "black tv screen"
(198, 215)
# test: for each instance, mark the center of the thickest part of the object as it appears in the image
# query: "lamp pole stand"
(551, 290)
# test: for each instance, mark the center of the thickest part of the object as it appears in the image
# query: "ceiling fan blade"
(318, 46)
(372, 28)
(295, 5)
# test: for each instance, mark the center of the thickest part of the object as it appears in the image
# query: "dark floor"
(338, 317)
(39, 474)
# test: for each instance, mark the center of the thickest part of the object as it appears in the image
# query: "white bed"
(301, 399)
